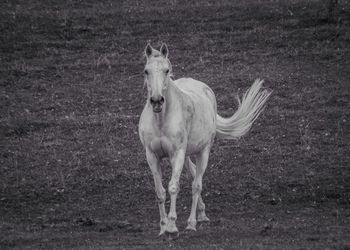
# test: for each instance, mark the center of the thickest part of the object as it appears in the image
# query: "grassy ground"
(73, 172)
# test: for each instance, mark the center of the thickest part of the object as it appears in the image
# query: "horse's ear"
(148, 50)
(164, 50)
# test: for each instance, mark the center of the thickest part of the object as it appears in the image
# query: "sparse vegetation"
(73, 172)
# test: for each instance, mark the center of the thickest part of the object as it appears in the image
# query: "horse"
(179, 122)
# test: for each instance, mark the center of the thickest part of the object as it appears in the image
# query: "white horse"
(180, 121)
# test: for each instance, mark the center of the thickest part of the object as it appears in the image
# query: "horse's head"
(157, 75)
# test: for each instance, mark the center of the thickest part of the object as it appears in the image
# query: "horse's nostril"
(159, 100)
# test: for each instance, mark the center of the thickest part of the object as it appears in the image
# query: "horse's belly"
(202, 141)
(202, 135)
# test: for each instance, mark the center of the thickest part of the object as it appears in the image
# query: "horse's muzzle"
(157, 103)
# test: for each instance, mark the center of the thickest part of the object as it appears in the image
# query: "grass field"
(73, 172)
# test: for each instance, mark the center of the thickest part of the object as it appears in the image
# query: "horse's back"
(197, 90)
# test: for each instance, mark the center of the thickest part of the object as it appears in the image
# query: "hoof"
(172, 229)
(202, 218)
(191, 226)
(172, 236)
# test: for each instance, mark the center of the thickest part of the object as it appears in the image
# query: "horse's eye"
(167, 71)
(146, 72)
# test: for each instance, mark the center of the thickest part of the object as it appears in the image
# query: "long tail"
(249, 109)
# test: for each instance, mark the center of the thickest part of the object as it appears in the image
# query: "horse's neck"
(173, 96)
(173, 104)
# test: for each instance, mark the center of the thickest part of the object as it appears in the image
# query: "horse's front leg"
(154, 164)
(201, 165)
(177, 162)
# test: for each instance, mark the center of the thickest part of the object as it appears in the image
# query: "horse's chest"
(162, 146)
(166, 140)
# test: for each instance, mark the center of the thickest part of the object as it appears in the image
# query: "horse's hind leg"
(201, 165)
(201, 206)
